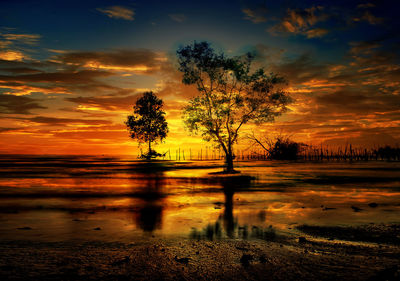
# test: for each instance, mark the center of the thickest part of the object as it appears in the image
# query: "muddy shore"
(285, 258)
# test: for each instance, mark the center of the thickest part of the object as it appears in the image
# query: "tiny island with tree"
(147, 124)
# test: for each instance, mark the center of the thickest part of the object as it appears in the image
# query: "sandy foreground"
(188, 259)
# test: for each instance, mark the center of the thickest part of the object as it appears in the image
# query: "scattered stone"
(182, 260)
(263, 259)
(302, 239)
(245, 259)
(120, 262)
(24, 228)
(328, 208)
(356, 209)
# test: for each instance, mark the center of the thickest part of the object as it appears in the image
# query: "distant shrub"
(285, 149)
(387, 152)
(150, 155)
(278, 148)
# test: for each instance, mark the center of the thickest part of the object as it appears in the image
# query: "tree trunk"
(229, 160)
(149, 153)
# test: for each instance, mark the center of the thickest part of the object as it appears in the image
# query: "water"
(67, 198)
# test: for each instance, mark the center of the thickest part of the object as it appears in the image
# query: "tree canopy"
(147, 124)
(231, 94)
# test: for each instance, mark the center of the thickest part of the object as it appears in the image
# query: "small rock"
(373, 205)
(97, 228)
(182, 260)
(120, 262)
(245, 259)
(356, 209)
(302, 239)
(24, 228)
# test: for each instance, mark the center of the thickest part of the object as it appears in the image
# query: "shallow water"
(60, 198)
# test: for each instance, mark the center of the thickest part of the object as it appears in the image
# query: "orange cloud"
(139, 61)
(316, 32)
(301, 21)
(256, 14)
(12, 55)
(118, 12)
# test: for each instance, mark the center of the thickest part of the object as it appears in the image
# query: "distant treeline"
(351, 153)
(289, 150)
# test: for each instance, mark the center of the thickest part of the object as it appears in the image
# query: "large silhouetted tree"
(148, 124)
(231, 94)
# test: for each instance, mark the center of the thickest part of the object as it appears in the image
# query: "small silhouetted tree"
(148, 124)
(231, 94)
(279, 148)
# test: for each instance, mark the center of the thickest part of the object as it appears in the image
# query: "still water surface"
(62, 198)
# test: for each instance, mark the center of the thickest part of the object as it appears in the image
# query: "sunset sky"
(70, 71)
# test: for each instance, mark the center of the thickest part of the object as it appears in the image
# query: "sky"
(70, 71)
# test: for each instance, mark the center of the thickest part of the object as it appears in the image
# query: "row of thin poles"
(310, 153)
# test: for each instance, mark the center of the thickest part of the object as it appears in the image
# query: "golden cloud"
(12, 55)
(118, 12)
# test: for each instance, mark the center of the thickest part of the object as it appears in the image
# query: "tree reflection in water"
(149, 212)
(228, 219)
(231, 228)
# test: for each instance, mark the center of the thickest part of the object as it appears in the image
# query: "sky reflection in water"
(117, 199)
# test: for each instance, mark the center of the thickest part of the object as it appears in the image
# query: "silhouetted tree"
(148, 124)
(285, 149)
(279, 148)
(231, 94)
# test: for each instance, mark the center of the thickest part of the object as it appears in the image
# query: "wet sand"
(286, 258)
